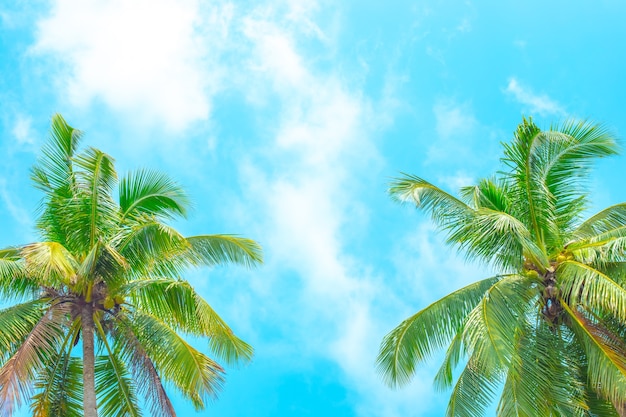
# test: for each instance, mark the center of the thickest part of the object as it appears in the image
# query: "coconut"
(109, 303)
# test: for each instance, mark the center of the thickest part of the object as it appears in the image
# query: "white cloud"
(453, 119)
(455, 126)
(22, 130)
(307, 184)
(540, 104)
(460, 140)
(148, 58)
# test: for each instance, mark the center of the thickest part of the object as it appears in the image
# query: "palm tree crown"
(108, 273)
(548, 332)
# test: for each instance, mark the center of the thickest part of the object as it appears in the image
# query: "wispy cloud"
(22, 130)
(460, 138)
(322, 158)
(148, 58)
(535, 103)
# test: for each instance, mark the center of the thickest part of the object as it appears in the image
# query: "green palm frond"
(444, 378)
(142, 368)
(176, 303)
(14, 280)
(606, 357)
(49, 263)
(416, 338)
(492, 194)
(583, 284)
(54, 169)
(544, 378)
(59, 386)
(606, 220)
(153, 248)
(16, 323)
(152, 193)
(195, 375)
(115, 388)
(473, 392)
(220, 249)
(65, 390)
(491, 328)
(93, 213)
(18, 373)
(443, 207)
(500, 239)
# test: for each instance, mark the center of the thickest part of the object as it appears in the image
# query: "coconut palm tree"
(547, 333)
(107, 273)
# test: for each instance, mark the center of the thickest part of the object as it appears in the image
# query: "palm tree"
(108, 273)
(547, 333)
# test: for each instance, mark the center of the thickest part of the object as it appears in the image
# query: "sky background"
(285, 120)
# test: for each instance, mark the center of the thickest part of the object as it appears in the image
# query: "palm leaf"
(141, 368)
(16, 323)
(472, 393)
(54, 169)
(94, 211)
(606, 220)
(220, 249)
(176, 303)
(195, 375)
(606, 357)
(18, 374)
(417, 337)
(115, 388)
(60, 386)
(49, 263)
(581, 283)
(152, 193)
(14, 280)
(443, 207)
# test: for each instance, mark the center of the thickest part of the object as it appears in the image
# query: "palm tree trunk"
(89, 379)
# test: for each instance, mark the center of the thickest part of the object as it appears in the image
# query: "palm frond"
(445, 377)
(606, 357)
(195, 375)
(472, 393)
(14, 280)
(59, 386)
(115, 388)
(500, 239)
(220, 249)
(544, 377)
(444, 208)
(581, 283)
(492, 327)
(54, 169)
(16, 323)
(49, 263)
(18, 374)
(606, 220)
(94, 213)
(176, 303)
(152, 248)
(141, 368)
(488, 193)
(152, 193)
(417, 337)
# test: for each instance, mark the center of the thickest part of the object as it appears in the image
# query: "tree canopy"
(108, 271)
(547, 333)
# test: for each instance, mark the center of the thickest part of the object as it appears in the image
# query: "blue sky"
(285, 120)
